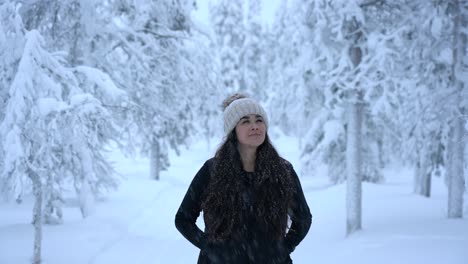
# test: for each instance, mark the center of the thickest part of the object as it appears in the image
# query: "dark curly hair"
(223, 201)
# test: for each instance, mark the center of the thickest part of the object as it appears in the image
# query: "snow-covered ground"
(136, 223)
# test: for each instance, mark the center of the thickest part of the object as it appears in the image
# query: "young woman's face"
(250, 131)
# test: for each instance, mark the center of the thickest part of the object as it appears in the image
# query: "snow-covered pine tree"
(267, 47)
(325, 141)
(227, 19)
(286, 102)
(80, 117)
(426, 47)
(23, 128)
(203, 82)
(88, 121)
(427, 103)
(64, 29)
(253, 54)
(325, 144)
(61, 24)
(53, 131)
(330, 72)
(355, 55)
(164, 76)
(69, 27)
(11, 48)
(371, 37)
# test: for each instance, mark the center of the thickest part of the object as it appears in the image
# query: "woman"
(246, 193)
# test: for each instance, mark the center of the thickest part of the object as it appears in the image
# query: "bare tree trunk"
(426, 180)
(353, 165)
(456, 177)
(456, 184)
(353, 141)
(417, 172)
(449, 158)
(424, 176)
(76, 37)
(380, 151)
(155, 166)
(37, 216)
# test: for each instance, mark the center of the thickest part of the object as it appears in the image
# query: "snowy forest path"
(142, 226)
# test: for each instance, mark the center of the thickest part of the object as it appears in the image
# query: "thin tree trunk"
(353, 164)
(37, 216)
(76, 37)
(457, 180)
(417, 175)
(424, 173)
(155, 160)
(353, 141)
(449, 158)
(426, 181)
(422, 176)
(380, 151)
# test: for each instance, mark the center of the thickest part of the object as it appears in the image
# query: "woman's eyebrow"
(248, 117)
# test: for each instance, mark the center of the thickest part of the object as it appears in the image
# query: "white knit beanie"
(240, 108)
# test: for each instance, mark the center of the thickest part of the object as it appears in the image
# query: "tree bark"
(380, 151)
(456, 182)
(424, 176)
(37, 215)
(417, 174)
(449, 158)
(353, 164)
(155, 166)
(354, 135)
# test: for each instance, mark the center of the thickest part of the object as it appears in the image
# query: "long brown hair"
(273, 187)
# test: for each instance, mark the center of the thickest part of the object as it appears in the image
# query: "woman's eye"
(260, 120)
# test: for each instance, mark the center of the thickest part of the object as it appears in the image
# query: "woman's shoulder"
(289, 167)
(209, 162)
(204, 172)
(285, 162)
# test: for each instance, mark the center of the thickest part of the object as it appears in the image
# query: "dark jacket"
(254, 246)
